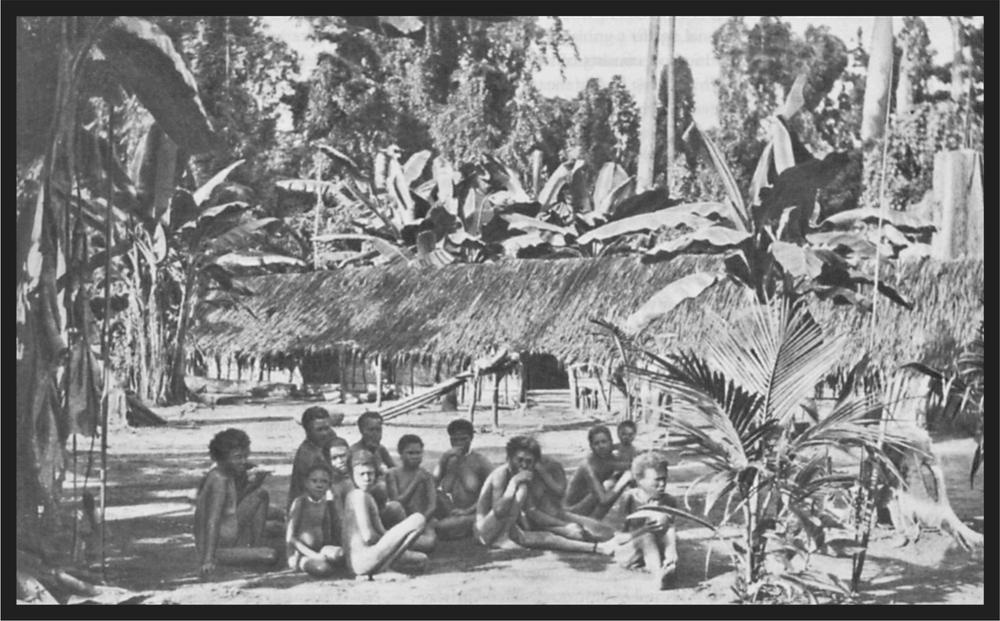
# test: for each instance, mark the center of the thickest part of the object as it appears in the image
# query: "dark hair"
(227, 441)
(313, 413)
(649, 459)
(319, 466)
(626, 424)
(460, 425)
(597, 430)
(524, 443)
(338, 441)
(408, 439)
(361, 457)
(368, 416)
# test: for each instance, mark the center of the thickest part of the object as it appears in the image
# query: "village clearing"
(153, 472)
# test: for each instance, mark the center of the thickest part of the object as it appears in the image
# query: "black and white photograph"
(459, 310)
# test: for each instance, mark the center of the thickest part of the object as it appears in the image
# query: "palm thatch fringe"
(461, 311)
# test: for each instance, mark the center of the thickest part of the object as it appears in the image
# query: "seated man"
(460, 474)
(315, 449)
(500, 510)
(546, 511)
(597, 484)
(228, 530)
(370, 426)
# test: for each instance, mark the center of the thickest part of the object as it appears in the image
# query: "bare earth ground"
(153, 473)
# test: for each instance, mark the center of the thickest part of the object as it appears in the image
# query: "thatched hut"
(428, 324)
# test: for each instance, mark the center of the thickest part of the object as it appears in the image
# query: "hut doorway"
(544, 372)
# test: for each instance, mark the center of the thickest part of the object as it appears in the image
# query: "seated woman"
(228, 530)
(501, 518)
(311, 542)
(368, 546)
(460, 475)
(598, 483)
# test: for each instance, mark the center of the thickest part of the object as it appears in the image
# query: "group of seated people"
(352, 506)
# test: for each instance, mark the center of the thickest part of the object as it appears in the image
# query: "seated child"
(340, 470)
(649, 542)
(413, 487)
(624, 452)
(228, 530)
(545, 510)
(368, 546)
(312, 544)
(370, 426)
(460, 474)
(597, 484)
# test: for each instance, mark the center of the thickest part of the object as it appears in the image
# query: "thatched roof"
(543, 306)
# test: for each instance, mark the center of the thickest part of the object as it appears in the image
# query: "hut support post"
(496, 401)
(524, 382)
(472, 399)
(574, 387)
(378, 380)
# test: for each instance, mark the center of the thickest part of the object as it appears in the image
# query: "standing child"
(624, 452)
(228, 530)
(649, 542)
(312, 543)
(368, 546)
(413, 487)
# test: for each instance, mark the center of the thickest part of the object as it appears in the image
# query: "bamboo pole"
(316, 217)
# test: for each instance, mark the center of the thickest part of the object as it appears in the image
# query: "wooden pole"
(316, 217)
(472, 401)
(647, 121)
(671, 105)
(496, 400)
(378, 380)
(524, 381)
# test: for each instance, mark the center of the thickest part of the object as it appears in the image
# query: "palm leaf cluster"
(735, 408)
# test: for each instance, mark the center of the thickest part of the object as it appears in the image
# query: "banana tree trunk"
(178, 389)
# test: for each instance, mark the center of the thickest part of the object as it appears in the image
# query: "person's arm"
(386, 457)
(215, 489)
(553, 477)
(430, 493)
(605, 498)
(403, 497)
(357, 502)
(503, 499)
(441, 469)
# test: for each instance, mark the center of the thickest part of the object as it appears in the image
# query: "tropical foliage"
(736, 408)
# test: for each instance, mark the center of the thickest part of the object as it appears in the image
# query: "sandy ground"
(153, 473)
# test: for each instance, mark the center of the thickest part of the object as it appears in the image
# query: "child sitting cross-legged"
(311, 539)
(649, 541)
(414, 488)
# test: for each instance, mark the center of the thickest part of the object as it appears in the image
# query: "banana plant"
(763, 237)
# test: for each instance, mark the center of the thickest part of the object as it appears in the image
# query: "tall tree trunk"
(647, 122)
(671, 98)
(958, 60)
(178, 389)
(878, 81)
(904, 87)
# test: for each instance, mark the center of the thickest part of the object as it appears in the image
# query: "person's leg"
(251, 517)
(374, 558)
(597, 530)
(544, 540)
(455, 526)
(392, 513)
(244, 556)
(490, 528)
(427, 540)
(410, 560)
(585, 506)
